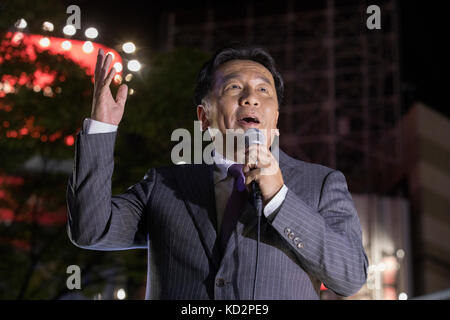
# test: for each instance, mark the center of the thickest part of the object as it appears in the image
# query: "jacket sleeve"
(326, 240)
(96, 219)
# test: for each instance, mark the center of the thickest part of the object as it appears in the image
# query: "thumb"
(121, 96)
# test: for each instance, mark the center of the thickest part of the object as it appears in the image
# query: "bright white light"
(47, 26)
(18, 36)
(7, 87)
(381, 267)
(66, 45)
(391, 263)
(69, 30)
(134, 65)
(121, 294)
(21, 24)
(88, 47)
(128, 77)
(91, 33)
(118, 66)
(117, 78)
(402, 296)
(400, 254)
(44, 42)
(128, 47)
(112, 55)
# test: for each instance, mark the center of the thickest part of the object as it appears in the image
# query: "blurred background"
(370, 103)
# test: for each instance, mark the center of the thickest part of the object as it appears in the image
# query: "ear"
(276, 124)
(275, 132)
(202, 116)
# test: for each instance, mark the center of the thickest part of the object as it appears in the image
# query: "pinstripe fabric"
(314, 237)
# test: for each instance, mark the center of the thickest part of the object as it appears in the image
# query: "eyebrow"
(237, 75)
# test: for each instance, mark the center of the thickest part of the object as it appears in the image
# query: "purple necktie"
(235, 204)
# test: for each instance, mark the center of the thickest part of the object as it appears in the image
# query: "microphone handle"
(257, 197)
(258, 203)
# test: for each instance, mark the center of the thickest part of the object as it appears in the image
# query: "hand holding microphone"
(260, 166)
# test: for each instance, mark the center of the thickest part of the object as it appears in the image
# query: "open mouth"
(249, 120)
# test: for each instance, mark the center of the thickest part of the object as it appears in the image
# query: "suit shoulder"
(305, 179)
(305, 167)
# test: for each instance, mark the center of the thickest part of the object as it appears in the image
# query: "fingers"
(110, 76)
(98, 66)
(252, 175)
(259, 157)
(121, 96)
(104, 69)
(107, 62)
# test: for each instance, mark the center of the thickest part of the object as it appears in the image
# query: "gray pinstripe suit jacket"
(315, 236)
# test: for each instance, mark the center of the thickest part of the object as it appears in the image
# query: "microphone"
(254, 136)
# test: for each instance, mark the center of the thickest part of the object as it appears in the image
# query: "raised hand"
(104, 107)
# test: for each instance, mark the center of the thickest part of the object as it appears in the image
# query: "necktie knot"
(235, 171)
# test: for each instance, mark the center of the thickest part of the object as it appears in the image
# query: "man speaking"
(198, 221)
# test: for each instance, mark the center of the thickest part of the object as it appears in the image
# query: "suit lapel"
(197, 186)
(248, 220)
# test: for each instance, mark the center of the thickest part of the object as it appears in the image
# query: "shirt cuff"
(91, 126)
(272, 207)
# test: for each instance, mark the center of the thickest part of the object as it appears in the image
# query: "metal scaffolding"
(342, 79)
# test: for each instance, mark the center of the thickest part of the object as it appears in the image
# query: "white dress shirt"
(223, 184)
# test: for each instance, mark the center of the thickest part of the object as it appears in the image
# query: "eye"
(263, 89)
(234, 86)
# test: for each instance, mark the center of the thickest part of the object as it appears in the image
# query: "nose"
(249, 99)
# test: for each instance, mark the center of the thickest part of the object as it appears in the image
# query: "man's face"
(243, 96)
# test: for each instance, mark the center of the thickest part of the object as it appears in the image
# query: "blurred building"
(407, 234)
(385, 223)
(341, 79)
(424, 176)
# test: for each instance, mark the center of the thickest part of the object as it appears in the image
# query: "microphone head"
(254, 136)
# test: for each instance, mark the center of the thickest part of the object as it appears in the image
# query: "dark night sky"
(423, 53)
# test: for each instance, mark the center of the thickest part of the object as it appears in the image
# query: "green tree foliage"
(163, 101)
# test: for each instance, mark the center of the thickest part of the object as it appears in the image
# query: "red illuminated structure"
(83, 53)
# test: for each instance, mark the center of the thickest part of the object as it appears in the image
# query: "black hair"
(236, 52)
